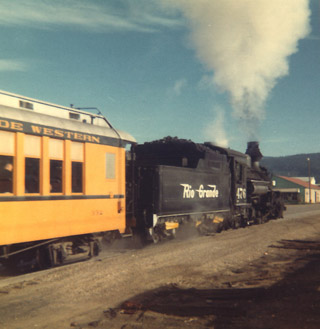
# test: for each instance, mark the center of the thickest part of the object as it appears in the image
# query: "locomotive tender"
(65, 183)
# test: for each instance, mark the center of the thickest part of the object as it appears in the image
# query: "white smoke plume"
(215, 130)
(246, 44)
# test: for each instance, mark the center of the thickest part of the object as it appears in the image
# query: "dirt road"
(264, 276)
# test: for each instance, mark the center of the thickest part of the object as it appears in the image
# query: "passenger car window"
(56, 176)
(6, 174)
(32, 174)
(77, 177)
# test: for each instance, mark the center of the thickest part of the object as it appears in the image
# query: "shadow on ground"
(281, 290)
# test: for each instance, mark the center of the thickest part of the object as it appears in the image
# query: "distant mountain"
(294, 165)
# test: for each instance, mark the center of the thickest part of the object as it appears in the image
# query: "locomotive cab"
(238, 167)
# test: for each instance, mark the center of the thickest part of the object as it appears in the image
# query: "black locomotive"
(173, 181)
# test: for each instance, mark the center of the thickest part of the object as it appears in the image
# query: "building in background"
(297, 189)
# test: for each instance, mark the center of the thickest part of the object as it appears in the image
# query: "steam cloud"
(215, 130)
(246, 45)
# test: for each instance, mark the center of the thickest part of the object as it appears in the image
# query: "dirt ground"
(280, 290)
(264, 276)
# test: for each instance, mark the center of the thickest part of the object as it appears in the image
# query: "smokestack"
(253, 151)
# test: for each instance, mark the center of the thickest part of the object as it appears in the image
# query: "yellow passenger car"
(62, 174)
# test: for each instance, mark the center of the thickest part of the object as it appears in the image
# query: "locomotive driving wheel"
(260, 219)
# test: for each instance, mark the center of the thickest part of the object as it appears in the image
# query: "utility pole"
(308, 159)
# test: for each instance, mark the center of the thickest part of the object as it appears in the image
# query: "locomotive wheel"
(172, 233)
(260, 219)
(156, 238)
(236, 223)
(156, 234)
(202, 229)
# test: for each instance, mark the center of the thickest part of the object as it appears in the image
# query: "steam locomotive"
(69, 180)
(177, 181)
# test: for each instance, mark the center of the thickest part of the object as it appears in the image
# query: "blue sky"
(138, 62)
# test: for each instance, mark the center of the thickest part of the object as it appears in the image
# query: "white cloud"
(12, 65)
(93, 15)
(179, 85)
